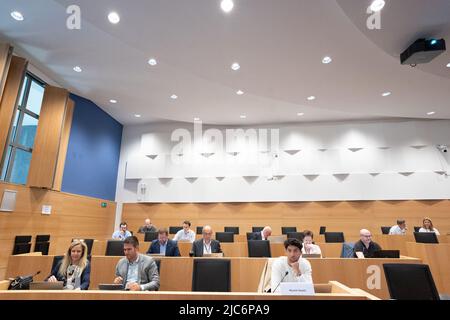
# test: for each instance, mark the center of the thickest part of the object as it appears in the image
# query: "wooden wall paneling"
(72, 216)
(9, 99)
(346, 216)
(48, 138)
(5, 60)
(64, 145)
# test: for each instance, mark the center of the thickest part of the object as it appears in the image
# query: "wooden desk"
(437, 256)
(331, 291)
(239, 249)
(176, 272)
(397, 242)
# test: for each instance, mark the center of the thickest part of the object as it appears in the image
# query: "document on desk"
(297, 288)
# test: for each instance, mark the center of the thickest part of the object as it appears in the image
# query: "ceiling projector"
(422, 51)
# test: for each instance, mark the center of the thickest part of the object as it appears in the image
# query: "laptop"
(387, 254)
(45, 285)
(311, 255)
(110, 286)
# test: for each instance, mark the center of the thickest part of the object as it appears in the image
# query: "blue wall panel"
(93, 153)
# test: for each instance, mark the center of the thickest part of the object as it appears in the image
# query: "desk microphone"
(287, 272)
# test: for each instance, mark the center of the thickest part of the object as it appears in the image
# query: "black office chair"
(249, 235)
(114, 248)
(385, 230)
(334, 237)
(211, 275)
(259, 249)
(322, 230)
(225, 236)
(296, 235)
(257, 229)
(199, 230)
(174, 230)
(235, 230)
(56, 260)
(426, 237)
(286, 230)
(22, 244)
(150, 236)
(42, 244)
(410, 281)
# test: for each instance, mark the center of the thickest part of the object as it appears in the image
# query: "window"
(23, 131)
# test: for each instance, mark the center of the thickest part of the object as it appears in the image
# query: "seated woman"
(308, 246)
(427, 226)
(74, 269)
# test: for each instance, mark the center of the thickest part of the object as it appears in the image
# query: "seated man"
(136, 272)
(365, 245)
(308, 246)
(292, 267)
(186, 234)
(147, 227)
(205, 245)
(399, 229)
(164, 245)
(263, 235)
(122, 233)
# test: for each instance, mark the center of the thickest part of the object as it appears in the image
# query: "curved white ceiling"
(279, 45)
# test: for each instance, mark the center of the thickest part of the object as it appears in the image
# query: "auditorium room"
(268, 152)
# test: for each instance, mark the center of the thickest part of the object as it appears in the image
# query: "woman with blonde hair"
(74, 269)
(427, 226)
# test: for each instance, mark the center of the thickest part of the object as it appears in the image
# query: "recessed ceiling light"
(300, 114)
(196, 119)
(431, 113)
(243, 116)
(227, 5)
(235, 66)
(113, 17)
(174, 97)
(77, 69)
(239, 92)
(448, 65)
(326, 60)
(17, 15)
(152, 62)
(137, 115)
(385, 94)
(377, 5)
(311, 98)
(113, 101)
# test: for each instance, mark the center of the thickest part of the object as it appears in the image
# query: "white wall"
(313, 162)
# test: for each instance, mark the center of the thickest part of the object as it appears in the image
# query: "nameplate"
(297, 289)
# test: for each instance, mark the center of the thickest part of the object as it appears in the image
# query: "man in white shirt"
(292, 267)
(186, 234)
(399, 229)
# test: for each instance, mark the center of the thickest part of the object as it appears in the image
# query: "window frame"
(21, 106)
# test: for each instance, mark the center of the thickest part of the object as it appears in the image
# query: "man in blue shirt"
(123, 233)
(163, 245)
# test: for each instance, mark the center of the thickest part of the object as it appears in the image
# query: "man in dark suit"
(205, 245)
(263, 235)
(164, 245)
